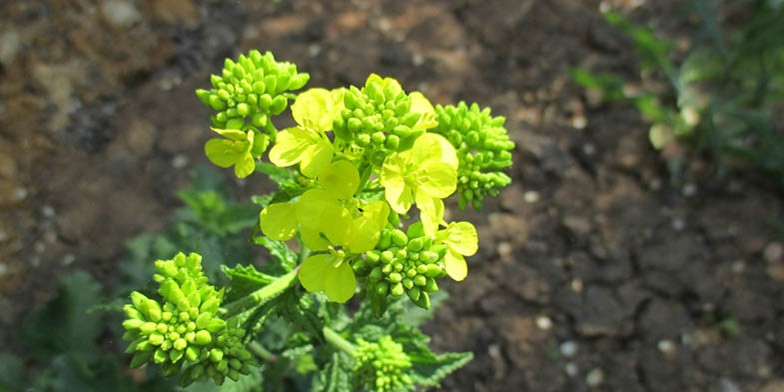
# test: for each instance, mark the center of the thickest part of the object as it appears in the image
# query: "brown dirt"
(594, 273)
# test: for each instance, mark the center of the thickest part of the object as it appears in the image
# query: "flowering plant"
(341, 226)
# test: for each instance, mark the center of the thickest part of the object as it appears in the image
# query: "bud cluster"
(483, 148)
(400, 264)
(250, 90)
(381, 366)
(185, 330)
(377, 118)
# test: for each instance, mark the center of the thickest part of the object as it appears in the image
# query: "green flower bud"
(203, 338)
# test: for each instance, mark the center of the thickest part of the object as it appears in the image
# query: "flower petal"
(315, 109)
(396, 192)
(290, 146)
(311, 272)
(278, 221)
(223, 152)
(341, 178)
(316, 158)
(431, 212)
(340, 283)
(439, 179)
(462, 238)
(455, 265)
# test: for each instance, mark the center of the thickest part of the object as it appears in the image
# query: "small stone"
(727, 385)
(568, 348)
(48, 211)
(571, 369)
(505, 249)
(531, 197)
(10, 43)
(3, 269)
(579, 122)
(666, 347)
(39, 247)
(3, 235)
(20, 193)
(689, 190)
(773, 386)
(179, 161)
(655, 184)
(314, 50)
(544, 323)
(577, 285)
(120, 13)
(738, 266)
(678, 224)
(773, 252)
(68, 259)
(595, 377)
(417, 59)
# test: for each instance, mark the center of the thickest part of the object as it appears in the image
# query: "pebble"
(544, 323)
(678, 224)
(689, 190)
(577, 285)
(417, 59)
(179, 161)
(595, 377)
(666, 347)
(531, 197)
(20, 194)
(568, 348)
(3, 269)
(68, 259)
(738, 266)
(3, 235)
(727, 385)
(571, 369)
(10, 43)
(48, 211)
(505, 249)
(120, 13)
(773, 252)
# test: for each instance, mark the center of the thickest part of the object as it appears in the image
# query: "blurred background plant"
(721, 94)
(72, 343)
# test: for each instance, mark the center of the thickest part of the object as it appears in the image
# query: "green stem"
(336, 340)
(260, 296)
(261, 352)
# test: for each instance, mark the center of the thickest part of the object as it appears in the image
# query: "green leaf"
(335, 376)
(286, 259)
(429, 369)
(76, 328)
(246, 383)
(244, 279)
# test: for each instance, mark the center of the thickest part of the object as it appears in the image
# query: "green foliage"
(362, 158)
(724, 90)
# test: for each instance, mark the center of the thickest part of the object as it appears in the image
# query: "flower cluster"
(483, 148)
(185, 330)
(244, 97)
(367, 157)
(380, 118)
(381, 366)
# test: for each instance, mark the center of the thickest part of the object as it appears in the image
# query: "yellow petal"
(340, 283)
(311, 272)
(462, 238)
(278, 221)
(290, 146)
(455, 265)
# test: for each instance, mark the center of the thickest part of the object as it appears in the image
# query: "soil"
(595, 271)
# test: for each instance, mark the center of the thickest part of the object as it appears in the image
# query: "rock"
(594, 378)
(121, 13)
(773, 252)
(664, 320)
(140, 138)
(10, 43)
(773, 386)
(568, 348)
(600, 314)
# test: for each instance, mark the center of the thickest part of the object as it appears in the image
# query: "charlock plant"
(362, 178)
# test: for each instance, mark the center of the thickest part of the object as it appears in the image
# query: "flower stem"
(336, 340)
(260, 296)
(261, 352)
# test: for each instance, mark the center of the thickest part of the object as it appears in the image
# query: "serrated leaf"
(429, 369)
(335, 376)
(77, 328)
(286, 258)
(246, 383)
(244, 279)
